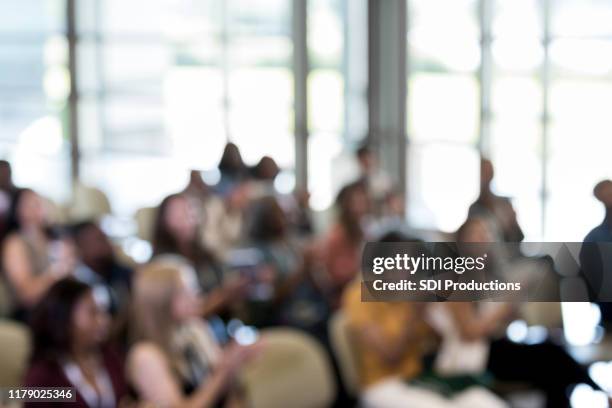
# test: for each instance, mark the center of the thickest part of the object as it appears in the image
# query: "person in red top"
(343, 244)
(69, 333)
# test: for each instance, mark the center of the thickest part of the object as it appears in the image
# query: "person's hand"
(236, 355)
(64, 259)
(265, 274)
(237, 287)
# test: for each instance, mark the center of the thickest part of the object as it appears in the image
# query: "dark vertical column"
(300, 75)
(485, 77)
(387, 54)
(73, 97)
(545, 77)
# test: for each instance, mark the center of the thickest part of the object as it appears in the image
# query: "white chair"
(547, 314)
(145, 220)
(15, 351)
(5, 298)
(343, 347)
(88, 203)
(56, 213)
(293, 371)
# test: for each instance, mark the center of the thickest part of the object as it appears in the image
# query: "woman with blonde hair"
(175, 360)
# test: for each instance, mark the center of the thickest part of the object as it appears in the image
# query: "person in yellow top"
(390, 340)
(390, 336)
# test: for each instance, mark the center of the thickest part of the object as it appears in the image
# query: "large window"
(580, 124)
(164, 92)
(162, 86)
(443, 111)
(34, 85)
(527, 82)
(337, 86)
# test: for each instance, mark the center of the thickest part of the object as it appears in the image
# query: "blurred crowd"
(233, 259)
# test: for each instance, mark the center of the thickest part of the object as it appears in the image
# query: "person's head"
(269, 221)
(176, 224)
(27, 211)
(92, 244)
(352, 200)
(68, 320)
(397, 236)
(475, 229)
(231, 162)
(416, 248)
(266, 169)
(353, 205)
(366, 158)
(165, 295)
(6, 175)
(603, 192)
(486, 173)
(196, 184)
(394, 203)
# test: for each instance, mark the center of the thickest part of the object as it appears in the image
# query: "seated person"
(232, 169)
(70, 350)
(344, 242)
(218, 222)
(33, 258)
(596, 254)
(498, 209)
(223, 219)
(176, 235)
(603, 232)
(294, 298)
(391, 340)
(509, 361)
(376, 181)
(175, 360)
(99, 266)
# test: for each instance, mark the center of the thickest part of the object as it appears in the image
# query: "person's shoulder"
(598, 234)
(351, 297)
(336, 233)
(146, 365)
(44, 373)
(145, 349)
(14, 239)
(591, 236)
(145, 353)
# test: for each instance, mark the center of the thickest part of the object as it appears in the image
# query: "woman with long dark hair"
(294, 299)
(69, 333)
(176, 234)
(32, 259)
(342, 246)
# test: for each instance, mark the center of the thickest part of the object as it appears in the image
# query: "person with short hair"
(99, 266)
(497, 209)
(596, 254)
